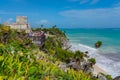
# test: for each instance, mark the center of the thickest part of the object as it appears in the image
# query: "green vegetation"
(53, 31)
(109, 77)
(92, 60)
(20, 59)
(62, 54)
(98, 44)
(79, 55)
(19, 67)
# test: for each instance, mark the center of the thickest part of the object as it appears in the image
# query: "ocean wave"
(110, 49)
(110, 66)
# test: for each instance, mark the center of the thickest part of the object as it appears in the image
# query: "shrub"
(98, 44)
(92, 60)
(109, 77)
(62, 54)
(79, 55)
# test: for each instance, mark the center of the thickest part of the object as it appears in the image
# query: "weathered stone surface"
(101, 77)
(117, 78)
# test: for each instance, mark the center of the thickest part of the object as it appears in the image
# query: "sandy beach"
(97, 70)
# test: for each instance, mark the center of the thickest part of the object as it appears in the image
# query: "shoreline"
(98, 70)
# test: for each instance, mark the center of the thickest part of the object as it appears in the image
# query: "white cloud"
(94, 1)
(86, 1)
(17, 13)
(98, 13)
(108, 17)
(9, 20)
(8, 12)
(43, 21)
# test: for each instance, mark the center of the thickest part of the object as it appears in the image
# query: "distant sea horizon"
(108, 56)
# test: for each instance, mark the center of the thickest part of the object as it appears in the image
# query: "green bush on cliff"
(54, 46)
(79, 55)
(53, 31)
(62, 54)
(109, 77)
(92, 60)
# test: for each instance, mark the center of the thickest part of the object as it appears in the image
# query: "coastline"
(98, 70)
(83, 48)
(108, 56)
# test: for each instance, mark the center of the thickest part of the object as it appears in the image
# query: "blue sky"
(63, 13)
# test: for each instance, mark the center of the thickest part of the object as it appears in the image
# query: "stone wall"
(21, 24)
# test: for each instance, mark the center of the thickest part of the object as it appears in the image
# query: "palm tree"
(98, 44)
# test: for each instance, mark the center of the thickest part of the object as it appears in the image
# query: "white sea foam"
(110, 66)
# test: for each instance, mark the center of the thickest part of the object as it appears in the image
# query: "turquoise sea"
(108, 56)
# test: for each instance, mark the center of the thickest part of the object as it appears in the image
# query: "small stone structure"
(20, 24)
(38, 38)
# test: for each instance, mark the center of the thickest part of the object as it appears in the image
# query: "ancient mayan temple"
(20, 24)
